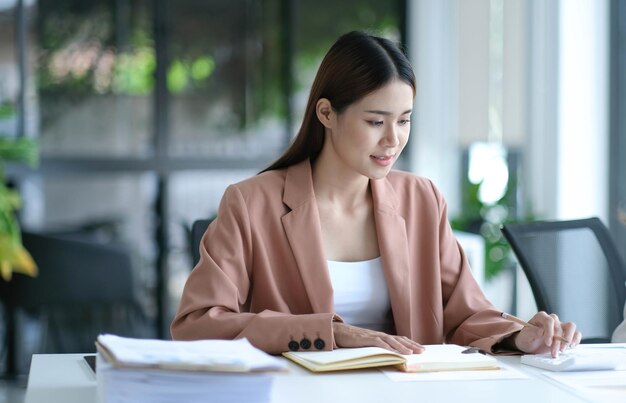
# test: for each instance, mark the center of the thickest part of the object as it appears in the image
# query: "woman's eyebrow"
(386, 113)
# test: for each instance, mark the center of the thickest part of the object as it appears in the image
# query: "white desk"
(67, 378)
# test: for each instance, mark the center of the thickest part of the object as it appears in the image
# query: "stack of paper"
(141, 370)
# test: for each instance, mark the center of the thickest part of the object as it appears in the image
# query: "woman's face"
(369, 135)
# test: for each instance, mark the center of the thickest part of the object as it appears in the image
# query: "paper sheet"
(504, 372)
(598, 386)
(235, 355)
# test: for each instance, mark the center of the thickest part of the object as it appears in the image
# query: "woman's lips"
(383, 160)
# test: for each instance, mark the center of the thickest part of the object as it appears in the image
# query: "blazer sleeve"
(469, 318)
(215, 297)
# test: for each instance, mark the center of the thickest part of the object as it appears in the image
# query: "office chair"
(82, 289)
(198, 228)
(575, 271)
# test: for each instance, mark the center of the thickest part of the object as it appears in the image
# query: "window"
(146, 110)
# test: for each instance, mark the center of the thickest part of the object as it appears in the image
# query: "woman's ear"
(325, 113)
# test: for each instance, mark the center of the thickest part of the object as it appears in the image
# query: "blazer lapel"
(394, 250)
(302, 226)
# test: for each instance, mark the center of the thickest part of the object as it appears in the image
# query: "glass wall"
(224, 79)
(146, 110)
(94, 64)
(9, 71)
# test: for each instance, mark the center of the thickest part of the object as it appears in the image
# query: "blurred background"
(142, 112)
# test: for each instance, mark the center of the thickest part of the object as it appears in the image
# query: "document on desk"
(607, 386)
(600, 386)
(504, 372)
(155, 371)
(200, 355)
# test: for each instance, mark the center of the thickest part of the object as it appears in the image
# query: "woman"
(330, 248)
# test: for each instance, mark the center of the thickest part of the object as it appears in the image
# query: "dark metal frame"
(617, 117)
(514, 232)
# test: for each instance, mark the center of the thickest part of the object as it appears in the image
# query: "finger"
(387, 344)
(577, 338)
(397, 345)
(556, 331)
(555, 349)
(569, 330)
(414, 346)
(376, 342)
(544, 324)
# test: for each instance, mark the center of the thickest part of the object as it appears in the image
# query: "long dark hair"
(356, 65)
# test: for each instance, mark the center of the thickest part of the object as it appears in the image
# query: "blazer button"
(293, 345)
(319, 344)
(305, 343)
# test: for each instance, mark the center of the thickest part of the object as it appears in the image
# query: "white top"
(361, 294)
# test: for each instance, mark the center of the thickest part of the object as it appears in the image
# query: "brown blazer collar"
(298, 185)
(299, 189)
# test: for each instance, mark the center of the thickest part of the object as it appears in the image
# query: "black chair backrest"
(80, 289)
(198, 229)
(574, 270)
(71, 272)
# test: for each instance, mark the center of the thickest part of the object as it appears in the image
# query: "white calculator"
(577, 359)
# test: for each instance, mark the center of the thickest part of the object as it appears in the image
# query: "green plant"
(13, 256)
(486, 220)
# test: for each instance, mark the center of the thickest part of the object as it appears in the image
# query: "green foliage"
(202, 68)
(7, 110)
(22, 150)
(88, 49)
(133, 73)
(486, 220)
(19, 150)
(13, 256)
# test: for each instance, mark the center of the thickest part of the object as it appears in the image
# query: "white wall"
(515, 73)
(432, 47)
(540, 162)
(554, 99)
(566, 145)
(582, 149)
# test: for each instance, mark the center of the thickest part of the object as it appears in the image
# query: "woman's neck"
(334, 184)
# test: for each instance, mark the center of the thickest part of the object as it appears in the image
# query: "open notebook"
(436, 357)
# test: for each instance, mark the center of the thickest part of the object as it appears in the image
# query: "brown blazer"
(263, 275)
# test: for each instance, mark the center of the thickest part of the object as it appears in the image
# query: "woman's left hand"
(543, 338)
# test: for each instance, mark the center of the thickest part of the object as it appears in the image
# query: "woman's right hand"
(352, 336)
